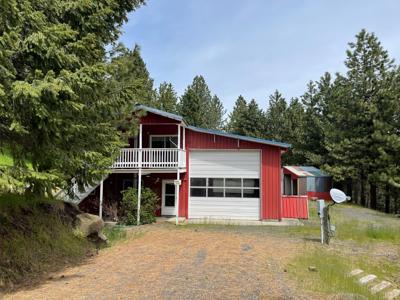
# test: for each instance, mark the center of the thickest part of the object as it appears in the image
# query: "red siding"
(165, 129)
(270, 167)
(271, 183)
(151, 118)
(184, 191)
(319, 195)
(198, 140)
(295, 207)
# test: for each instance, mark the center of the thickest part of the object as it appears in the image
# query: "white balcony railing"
(150, 158)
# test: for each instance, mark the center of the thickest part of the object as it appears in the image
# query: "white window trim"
(161, 135)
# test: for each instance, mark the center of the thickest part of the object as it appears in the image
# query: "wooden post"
(177, 184)
(101, 199)
(184, 138)
(179, 147)
(139, 174)
(139, 191)
(140, 136)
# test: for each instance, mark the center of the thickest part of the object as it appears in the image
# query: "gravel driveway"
(186, 262)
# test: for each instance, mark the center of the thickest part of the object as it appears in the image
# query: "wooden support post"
(179, 147)
(177, 183)
(139, 191)
(184, 138)
(140, 136)
(101, 199)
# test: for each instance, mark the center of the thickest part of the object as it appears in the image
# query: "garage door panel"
(224, 164)
(231, 163)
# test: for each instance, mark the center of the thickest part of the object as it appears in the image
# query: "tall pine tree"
(275, 117)
(199, 108)
(351, 116)
(237, 118)
(131, 73)
(166, 98)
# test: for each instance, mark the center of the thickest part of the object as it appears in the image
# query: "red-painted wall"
(295, 207)
(151, 118)
(270, 169)
(319, 195)
(271, 204)
(166, 129)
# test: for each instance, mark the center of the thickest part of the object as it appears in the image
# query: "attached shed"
(306, 180)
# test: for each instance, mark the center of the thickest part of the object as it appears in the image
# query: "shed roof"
(306, 171)
(211, 131)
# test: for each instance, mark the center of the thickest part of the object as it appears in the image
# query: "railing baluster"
(150, 158)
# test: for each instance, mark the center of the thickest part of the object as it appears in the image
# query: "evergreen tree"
(166, 98)
(237, 118)
(386, 139)
(275, 117)
(253, 125)
(351, 116)
(57, 96)
(294, 133)
(216, 115)
(199, 108)
(313, 100)
(130, 72)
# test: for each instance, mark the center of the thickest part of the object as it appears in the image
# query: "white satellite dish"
(338, 196)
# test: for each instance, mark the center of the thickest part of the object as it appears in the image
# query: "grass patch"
(383, 228)
(34, 240)
(365, 232)
(331, 275)
(114, 234)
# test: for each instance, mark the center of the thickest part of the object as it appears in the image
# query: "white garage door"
(224, 184)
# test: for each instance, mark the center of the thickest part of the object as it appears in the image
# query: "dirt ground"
(186, 262)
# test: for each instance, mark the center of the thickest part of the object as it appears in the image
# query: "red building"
(197, 173)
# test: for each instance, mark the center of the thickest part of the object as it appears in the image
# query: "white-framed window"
(225, 187)
(163, 141)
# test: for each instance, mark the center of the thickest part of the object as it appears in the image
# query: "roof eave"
(240, 137)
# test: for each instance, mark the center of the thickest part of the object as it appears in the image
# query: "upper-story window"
(165, 141)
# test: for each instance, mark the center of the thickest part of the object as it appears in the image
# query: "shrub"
(148, 205)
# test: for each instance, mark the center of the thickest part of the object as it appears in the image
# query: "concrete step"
(393, 294)
(380, 286)
(367, 279)
(356, 272)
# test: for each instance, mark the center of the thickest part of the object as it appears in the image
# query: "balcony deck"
(151, 158)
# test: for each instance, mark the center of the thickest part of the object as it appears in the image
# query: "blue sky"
(253, 47)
